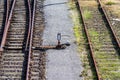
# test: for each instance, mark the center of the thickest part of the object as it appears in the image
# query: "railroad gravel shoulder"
(39, 57)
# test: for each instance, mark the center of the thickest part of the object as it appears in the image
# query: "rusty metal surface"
(109, 23)
(7, 24)
(88, 38)
(28, 74)
(28, 35)
(28, 45)
(7, 13)
(13, 41)
(89, 42)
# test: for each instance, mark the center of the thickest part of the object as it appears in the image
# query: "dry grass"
(114, 6)
(115, 1)
(116, 10)
(88, 3)
(110, 3)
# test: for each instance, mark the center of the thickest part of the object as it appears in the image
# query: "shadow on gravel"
(24, 68)
(4, 20)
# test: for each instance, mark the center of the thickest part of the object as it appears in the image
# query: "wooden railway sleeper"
(88, 40)
(7, 25)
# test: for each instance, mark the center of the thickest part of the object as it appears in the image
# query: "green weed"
(110, 3)
(87, 14)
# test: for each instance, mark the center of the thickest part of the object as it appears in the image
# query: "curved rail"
(28, 36)
(108, 21)
(89, 42)
(6, 20)
(28, 74)
(7, 12)
(7, 24)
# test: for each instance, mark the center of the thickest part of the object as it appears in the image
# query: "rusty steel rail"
(109, 23)
(7, 12)
(7, 24)
(29, 26)
(89, 41)
(28, 74)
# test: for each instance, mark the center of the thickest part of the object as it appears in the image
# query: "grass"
(76, 33)
(90, 3)
(113, 6)
(81, 41)
(102, 57)
(77, 25)
(110, 3)
(105, 65)
(87, 15)
(95, 38)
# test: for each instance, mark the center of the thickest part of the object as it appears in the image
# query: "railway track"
(23, 29)
(114, 18)
(13, 56)
(38, 57)
(102, 40)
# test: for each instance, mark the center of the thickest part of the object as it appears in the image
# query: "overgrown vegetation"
(87, 73)
(87, 14)
(110, 3)
(107, 62)
(95, 38)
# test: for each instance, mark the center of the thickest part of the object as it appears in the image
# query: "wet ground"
(61, 64)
